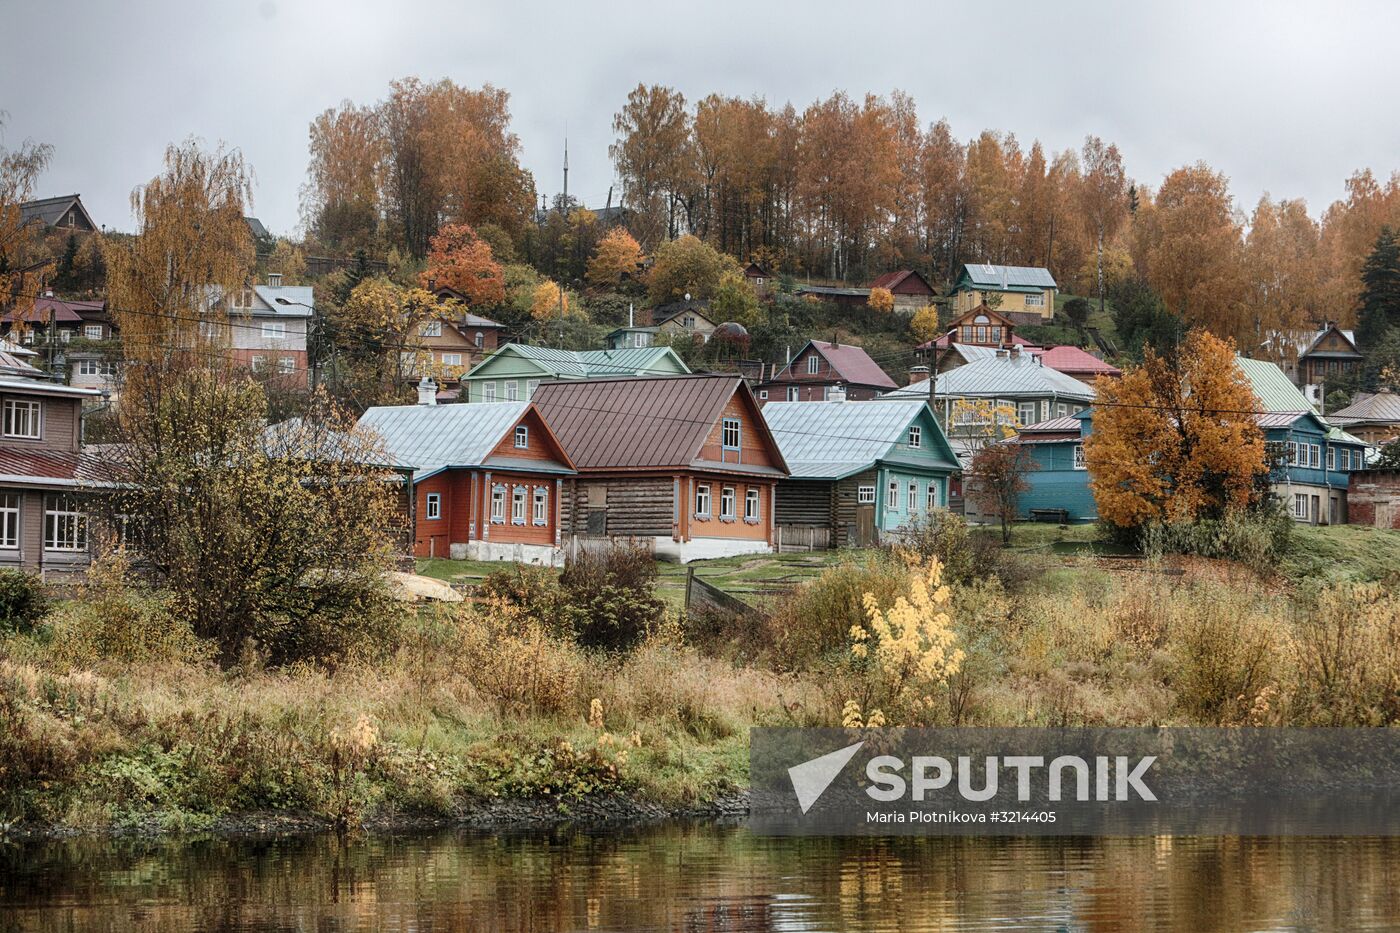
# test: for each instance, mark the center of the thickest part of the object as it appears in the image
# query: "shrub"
(1347, 653)
(515, 662)
(22, 601)
(1255, 538)
(611, 596)
(814, 621)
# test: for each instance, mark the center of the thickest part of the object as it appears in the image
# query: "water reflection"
(701, 877)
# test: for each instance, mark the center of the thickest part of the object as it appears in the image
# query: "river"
(699, 877)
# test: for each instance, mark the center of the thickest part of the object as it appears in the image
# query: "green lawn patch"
(1337, 553)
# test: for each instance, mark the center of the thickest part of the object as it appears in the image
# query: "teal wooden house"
(513, 372)
(1311, 459)
(860, 471)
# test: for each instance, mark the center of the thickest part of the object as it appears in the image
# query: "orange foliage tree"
(881, 299)
(461, 260)
(1174, 440)
(618, 254)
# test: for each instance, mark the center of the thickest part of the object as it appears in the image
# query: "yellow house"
(1022, 294)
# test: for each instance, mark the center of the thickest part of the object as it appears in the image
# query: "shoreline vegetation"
(588, 697)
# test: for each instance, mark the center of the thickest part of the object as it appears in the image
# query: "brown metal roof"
(639, 423)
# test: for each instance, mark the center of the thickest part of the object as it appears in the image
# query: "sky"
(1285, 98)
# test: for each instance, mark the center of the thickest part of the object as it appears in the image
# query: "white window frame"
(1035, 301)
(932, 495)
(753, 506)
(65, 524)
(892, 496)
(519, 496)
(286, 365)
(702, 501)
(1079, 462)
(763, 394)
(33, 418)
(913, 497)
(522, 437)
(916, 437)
(87, 367)
(488, 391)
(539, 506)
(479, 340)
(813, 364)
(430, 329)
(1301, 506)
(531, 385)
(1331, 458)
(452, 359)
(274, 330)
(1314, 455)
(726, 426)
(432, 506)
(9, 520)
(92, 331)
(1025, 413)
(728, 504)
(792, 393)
(512, 390)
(498, 504)
(257, 363)
(865, 495)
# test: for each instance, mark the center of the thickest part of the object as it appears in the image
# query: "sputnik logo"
(811, 778)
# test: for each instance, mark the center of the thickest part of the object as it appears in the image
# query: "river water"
(700, 877)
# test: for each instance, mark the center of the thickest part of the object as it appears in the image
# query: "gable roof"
(48, 211)
(1052, 431)
(1275, 391)
(587, 364)
(649, 422)
(753, 269)
(1348, 335)
(1002, 377)
(256, 228)
(431, 438)
(852, 364)
(984, 275)
(892, 280)
(1069, 359)
(1383, 406)
(697, 306)
(297, 297)
(62, 310)
(832, 440)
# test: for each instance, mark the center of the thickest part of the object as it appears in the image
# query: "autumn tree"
(1281, 268)
(549, 301)
(687, 266)
(880, 300)
(1103, 199)
(341, 200)
(618, 256)
(288, 261)
(925, 326)
(734, 300)
(21, 260)
(1175, 439)
(654, 159)
(997, 481)
(461, 260)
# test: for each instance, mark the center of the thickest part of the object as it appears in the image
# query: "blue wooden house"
(1312, 459)
(860, 471)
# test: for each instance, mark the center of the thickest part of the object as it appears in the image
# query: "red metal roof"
(892, 281)
(639, 423)
(1072, 360)
(50, 467)
(850, 364)
(63, 311)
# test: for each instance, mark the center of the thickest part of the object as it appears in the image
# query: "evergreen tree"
(1143, 320)
(1380, 291)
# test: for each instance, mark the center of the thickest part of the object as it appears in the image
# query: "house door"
(1317, 510)
(865, 526)
(1334, 510)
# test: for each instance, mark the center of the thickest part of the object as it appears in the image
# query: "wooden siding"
(58, 423)
(806, 502)
(737, 527)
(632, 506)
(541, 446)
(754, 447)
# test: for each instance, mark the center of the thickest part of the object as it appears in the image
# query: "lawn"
(1336, 553)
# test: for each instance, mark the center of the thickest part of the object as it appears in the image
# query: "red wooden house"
(821, 367)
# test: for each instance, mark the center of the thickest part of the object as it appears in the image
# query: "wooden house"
(486, 478)
(1023, 294)
(65, 212)
(820, 369)
(684, 464)
(448, 343)
(1372, 416)
(860, 471)
(910, 289)
(515, 370)
(759, 279)
(689, 318)
(1329, 354)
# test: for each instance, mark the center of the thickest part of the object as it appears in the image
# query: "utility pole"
(566, 170)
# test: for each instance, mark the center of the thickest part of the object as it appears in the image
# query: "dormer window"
(431, 329)
(522, 436)
(916, 438)
(813, 363)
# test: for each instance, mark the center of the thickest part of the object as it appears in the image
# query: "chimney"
(917, 374)
(1002, 354)
(1015, 351)
(274, 280)
(1003, 278)
(427, 391)
(836, 393)
(630, 320)
(48, 293)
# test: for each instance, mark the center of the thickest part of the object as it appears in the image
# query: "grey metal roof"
(593, 364)
(296, 295)
(1369, 406)
(830, 440)
(430, 437)
(1001, 377)
(990, 276)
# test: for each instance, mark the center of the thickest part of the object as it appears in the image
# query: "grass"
(1338, 553)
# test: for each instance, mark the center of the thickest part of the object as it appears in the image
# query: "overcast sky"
(1283, 97)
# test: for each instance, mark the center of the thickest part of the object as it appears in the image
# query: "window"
(22, 418)
(1079, 457)
(702, 501)
(65, 526)
(452, 359)
(689, 321)
(512, 391)
(913, 497)
(730, 436)
(1035, 301)
(432, 507)
(498, 504)
(1061, 409)
(430, 329)
(94, 368)
(726, 504)
(286, 365)
(1346, 459)
(1293, 453)
(243, 298)
(932, 495)
(892, 496)
(530, 388)
(865, 495)
(792, 393)
(92, 331)
(981, 334)
(517, 505)
(1331, 458)
(1025, 412)
(751, 506)
(479, 339)
(763, 394)
(1300, 506)
(1314, 455)
(9, 520)
(274, 330)
(257, 363)
(522, 436)
(488, 391)
(539, 513)
(916, 436)
(209, 330)
(813, 362)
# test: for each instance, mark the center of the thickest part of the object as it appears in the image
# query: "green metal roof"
(1275, 391)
